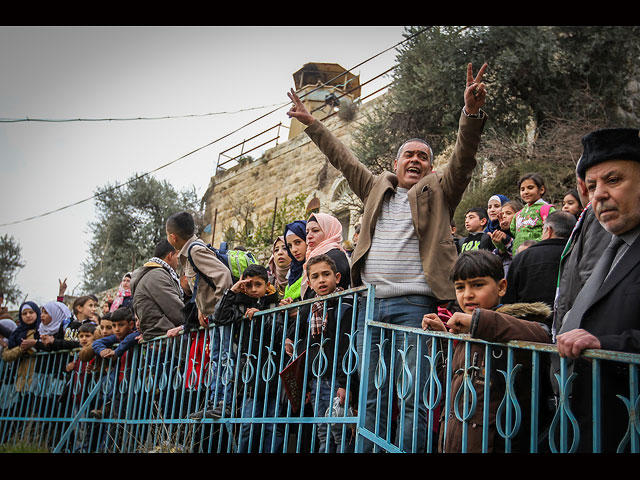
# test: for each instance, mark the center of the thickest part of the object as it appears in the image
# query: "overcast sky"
(131, 72)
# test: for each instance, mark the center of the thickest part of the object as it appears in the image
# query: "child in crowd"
(324, 236)
(126, 336)
(106, 325)
(479, 283)
(279, 265)
(494, 207)
(259, 338)
(83, 309)
(295, 234)
(54, 316)
(475, 220)
(324, 326)
(571, 203)
(527, 223)
(502, 238)
(78, 384)
(23, 339)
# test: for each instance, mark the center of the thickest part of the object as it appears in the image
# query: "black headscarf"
(20, 333)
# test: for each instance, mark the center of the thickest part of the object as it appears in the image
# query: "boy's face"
(506, 214)
(479, 292)
(85, 338)
(322, 279)
(122, 328)
(107, 327)
(256, 287)
(473, 223)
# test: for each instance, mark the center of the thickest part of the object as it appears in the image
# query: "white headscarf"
(59, 313)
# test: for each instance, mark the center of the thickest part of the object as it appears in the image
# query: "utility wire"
(61, 120)
(104, 192)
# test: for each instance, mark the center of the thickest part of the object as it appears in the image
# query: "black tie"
(585, 298)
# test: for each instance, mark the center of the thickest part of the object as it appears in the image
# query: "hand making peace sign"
(475, 92)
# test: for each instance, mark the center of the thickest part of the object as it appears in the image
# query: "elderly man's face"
(614, 191)
(412, 164)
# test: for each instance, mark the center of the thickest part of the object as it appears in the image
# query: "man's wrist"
(479, 114)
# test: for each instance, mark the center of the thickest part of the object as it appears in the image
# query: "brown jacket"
(499, 326)
(217, 272)
(433, 200)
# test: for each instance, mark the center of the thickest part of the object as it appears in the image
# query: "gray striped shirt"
(393, 263)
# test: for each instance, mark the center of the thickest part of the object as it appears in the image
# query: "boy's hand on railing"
(70, 366)
(431, 321)
(285, 301)
(459, 323)
(249, 313)
(107, 353)
(174, 332)
(288, 347)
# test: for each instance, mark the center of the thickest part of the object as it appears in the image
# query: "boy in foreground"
(479, 283)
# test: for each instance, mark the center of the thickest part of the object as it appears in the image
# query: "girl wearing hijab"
(295, 235)
(494, 207)
(123, 297)
(279, 266)
(52, 327)
(23, 339)
(324, 235)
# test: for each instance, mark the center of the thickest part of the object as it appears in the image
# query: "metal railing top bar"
(625, 357)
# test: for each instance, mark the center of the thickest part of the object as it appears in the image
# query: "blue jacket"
(109, 341)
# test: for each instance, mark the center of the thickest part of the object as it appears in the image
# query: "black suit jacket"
(614, 316)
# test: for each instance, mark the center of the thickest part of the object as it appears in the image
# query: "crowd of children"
(310, 259)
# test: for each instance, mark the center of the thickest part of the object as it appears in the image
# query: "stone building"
(295, 167)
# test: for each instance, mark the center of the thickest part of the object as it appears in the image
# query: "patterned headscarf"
(122, 292)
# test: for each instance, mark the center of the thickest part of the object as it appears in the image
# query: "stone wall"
(287, 170)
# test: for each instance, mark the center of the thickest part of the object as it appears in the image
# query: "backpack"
(235, 260)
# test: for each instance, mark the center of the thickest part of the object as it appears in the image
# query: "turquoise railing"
(261, 394)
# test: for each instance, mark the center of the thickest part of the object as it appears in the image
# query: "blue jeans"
(254, 408)
(404, 311)
(322, 389)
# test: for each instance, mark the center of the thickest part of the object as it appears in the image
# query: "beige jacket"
(217, 272)
(433, 200)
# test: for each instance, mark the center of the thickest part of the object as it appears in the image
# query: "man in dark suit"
(605, 315)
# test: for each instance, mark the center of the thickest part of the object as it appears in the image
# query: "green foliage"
(22, 447)
(10, 263)
(130, 222)
(259, 238)
(547, 87)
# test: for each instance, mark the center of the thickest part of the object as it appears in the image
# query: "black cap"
(608, 144)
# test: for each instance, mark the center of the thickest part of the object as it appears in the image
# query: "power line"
(212, 142)
(62, 120)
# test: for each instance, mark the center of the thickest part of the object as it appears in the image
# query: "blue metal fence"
(280, 383)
